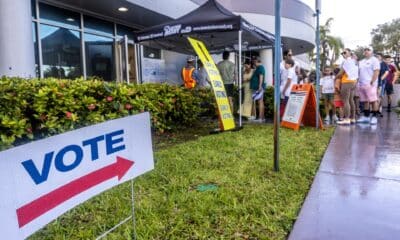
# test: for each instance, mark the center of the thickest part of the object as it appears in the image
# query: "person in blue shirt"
(257, 85)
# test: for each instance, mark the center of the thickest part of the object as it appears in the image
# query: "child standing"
(328, 89)
(339, 104)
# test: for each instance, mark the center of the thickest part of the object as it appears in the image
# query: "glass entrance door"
(126, 61)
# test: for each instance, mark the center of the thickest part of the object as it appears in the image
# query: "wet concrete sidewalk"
(356, 192)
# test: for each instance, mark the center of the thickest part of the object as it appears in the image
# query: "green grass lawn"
(251, 201)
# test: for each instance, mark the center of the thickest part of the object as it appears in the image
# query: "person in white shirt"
(348, 76)
(203, 79)
(327, 84)
(288, 54)
(288, 79)
(368, 86)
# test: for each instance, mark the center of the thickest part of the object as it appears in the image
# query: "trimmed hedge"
(38, 108)
(33, 109)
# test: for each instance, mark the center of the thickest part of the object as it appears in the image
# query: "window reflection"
(124, 30)
(33, 8)
(99, 56)
(149, 52)
(59, 16)
(61, 52)
(99, 26)
(35, 46)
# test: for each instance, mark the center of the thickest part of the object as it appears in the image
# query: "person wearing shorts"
(348, 75)
(337, 100)
(357, 100)
(368, 86)
(382, 77)
(257, 84)
(328, 89)
(389, 81)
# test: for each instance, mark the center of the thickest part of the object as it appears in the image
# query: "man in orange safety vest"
(189, 74)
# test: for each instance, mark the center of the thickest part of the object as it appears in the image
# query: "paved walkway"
(356, 192)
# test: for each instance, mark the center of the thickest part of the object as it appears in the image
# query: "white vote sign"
(294, 107)
(41, 180)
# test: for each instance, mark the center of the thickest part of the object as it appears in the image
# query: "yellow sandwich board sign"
(224, 110)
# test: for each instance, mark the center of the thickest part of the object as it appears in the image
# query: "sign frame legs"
(134, 237)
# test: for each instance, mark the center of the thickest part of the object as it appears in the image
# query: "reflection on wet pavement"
(356, 192)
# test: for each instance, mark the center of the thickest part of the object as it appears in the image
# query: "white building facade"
(93, 38)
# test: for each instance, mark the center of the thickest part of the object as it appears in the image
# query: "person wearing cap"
(257, 85)
(227, 70)
(368, 86)
(189, 75)
(348, 76)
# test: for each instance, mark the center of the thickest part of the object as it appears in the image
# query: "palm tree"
(330, 45)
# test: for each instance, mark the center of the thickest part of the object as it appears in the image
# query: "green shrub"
(32, 109)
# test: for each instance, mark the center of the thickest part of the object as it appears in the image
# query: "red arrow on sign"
(45, 203)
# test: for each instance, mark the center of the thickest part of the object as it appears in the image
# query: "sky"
(355, 19)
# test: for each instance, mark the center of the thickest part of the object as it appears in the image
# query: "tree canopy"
(386, 37)
(331, 46)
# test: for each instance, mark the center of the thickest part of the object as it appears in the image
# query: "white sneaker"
(327, 120)
(345, 121)
(335, 118)
(363, 119)
(252, 118)
(258, 120)
(374, 121)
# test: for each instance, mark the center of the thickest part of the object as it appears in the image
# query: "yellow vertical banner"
(224, 109)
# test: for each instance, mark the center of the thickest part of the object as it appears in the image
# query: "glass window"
(35, 45)
(59, 16)
(124, 30)
(99, 26)
(61, 52)
(33, 8)
(149, 52)
(99, 56)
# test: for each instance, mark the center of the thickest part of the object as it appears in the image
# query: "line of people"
(343, 89)
(253, 83)
(355, 82)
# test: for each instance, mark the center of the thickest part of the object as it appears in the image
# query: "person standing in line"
(288, 54)
(247, 107)
(328, 89)
(288, 79)
(368, 83)
(189, 74)
(348, 76)
(257, 85)
(203, 79)
(227, 71)
(356, 90)
(389, 81)
(336, 96)
(383, 73)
